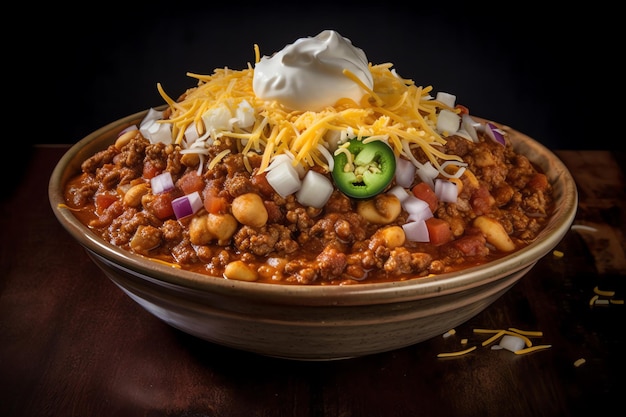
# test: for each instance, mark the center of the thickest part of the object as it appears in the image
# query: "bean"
(133, 196)
(382, 209)
(239, 271)
(250, 210)
(494, 233)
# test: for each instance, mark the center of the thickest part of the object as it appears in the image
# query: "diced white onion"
(286, 157)
(187, 205)
(463, 133)
(284, 179)
(512, 343)
(399, 192)
(217, 118)
(244, 115)
(157, 132)
(427, 172)
(405, 172)
(151, 116)
(448, 121)
(417, 208)
(315, 191)
(416, 231)
(446, 98)
(191, 134)
(469, 125)
(161, 183)
(446, 191)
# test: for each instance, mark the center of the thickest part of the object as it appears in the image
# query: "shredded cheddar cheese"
(457, 353)
(497, 334)
(532, 349)
(395, 110)
(604, 293)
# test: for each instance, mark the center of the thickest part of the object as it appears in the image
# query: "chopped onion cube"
(315, 191)
(187, 205)
(405, 172)
(244, 115)
(446, 98)
(157, 132)
(448, 122)
(417, 208)
(427, 172)
(284, 179)
(399, 192)
(416, 231)
(446, 190)
(191, 134)
(217, 118)
(512, 343)
(162, 183)
(151, 116)
(469, 125)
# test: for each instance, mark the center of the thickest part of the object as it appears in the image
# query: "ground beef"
(297, 244)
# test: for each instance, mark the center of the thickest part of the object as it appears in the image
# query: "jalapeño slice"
(362, 170)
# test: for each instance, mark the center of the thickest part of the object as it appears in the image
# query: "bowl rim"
(356, 294)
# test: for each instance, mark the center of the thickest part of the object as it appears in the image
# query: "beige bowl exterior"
(312, 322)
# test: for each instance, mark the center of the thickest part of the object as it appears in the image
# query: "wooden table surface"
(73, 344)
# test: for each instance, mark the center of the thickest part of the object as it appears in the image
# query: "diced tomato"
(464, 110)
(482, 201)
(102, 201)
(161, 206)
(439, 231)
(260, 180)
(539, 182)
(425, 193)
(471, 245)
(215, 204)
(150, 170)
(191, 182)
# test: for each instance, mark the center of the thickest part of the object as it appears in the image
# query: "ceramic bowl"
(312, 322)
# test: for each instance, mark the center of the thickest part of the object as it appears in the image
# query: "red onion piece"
(494, 133)
(162, 183)
(187, 205)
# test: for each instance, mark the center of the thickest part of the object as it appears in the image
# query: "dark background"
(543, 72)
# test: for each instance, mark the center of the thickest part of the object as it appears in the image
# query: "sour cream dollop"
(308, 74)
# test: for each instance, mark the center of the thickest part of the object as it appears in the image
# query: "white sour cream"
(308, 74)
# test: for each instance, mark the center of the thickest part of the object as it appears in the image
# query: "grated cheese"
(449, 333)
(457, 353)
(532, 349)
(395, 109)
(604, 293)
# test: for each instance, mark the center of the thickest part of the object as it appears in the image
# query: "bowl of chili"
(311, 322)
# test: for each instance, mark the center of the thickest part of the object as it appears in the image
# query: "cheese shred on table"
(396, 109)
